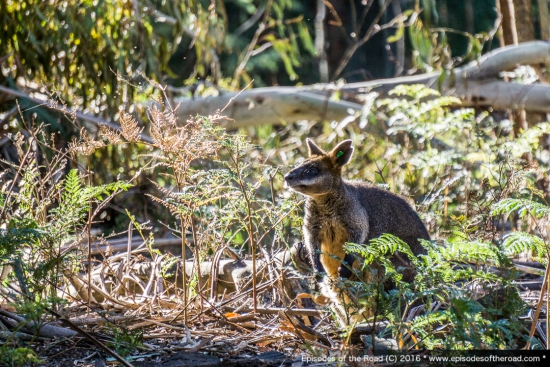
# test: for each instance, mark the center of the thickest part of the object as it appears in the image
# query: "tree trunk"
(517, 21)
(469, 16)
(544, 19)
(524, 20)
(509, 34)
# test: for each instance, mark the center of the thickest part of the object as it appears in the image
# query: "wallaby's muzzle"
(289, 176)
(312, 177)
(301, 177)
(291, 179)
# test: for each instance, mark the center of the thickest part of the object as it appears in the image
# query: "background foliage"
(479, 182)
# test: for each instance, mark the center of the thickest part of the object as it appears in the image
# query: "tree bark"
(524, 20)
(544, 19)
(469, 16)
(320, 41)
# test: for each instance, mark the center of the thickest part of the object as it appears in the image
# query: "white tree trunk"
(476, 84)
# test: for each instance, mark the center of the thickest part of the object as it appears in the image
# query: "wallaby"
(339, 211)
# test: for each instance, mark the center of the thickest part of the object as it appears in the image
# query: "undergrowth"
(463, 304)
(472, 178)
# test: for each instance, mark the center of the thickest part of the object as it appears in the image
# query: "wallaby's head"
(322, 171)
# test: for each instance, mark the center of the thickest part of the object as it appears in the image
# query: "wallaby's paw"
(344, 270)
(320, 299)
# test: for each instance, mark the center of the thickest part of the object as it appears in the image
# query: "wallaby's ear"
(314, 149)
(341, 153)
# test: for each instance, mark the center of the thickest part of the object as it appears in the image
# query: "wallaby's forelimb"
(344, 271)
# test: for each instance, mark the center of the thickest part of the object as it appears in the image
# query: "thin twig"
(82, 116)
(235, 96)
(539, 306)
(10, 191)
(250, 49)
(184, 272)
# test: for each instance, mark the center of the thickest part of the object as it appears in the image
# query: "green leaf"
(398, 34)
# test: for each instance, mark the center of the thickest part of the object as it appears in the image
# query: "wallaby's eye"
(312, 171)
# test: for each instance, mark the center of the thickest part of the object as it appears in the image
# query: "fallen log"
(232, 275)
(101, 247)
(478, 84)
(42, 330)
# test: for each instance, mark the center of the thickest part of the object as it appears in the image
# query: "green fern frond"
(72, 193)
(388, 244)
(73, 205)
(520, 206)
(518, 242)
(19, 234)
(379, 247)
(380, 250)
(472, 251)
(457, 235)
(97, 192)
(75, 202)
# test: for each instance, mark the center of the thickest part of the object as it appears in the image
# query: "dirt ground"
(83, 355)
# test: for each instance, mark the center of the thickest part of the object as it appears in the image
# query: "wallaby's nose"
(289, 176)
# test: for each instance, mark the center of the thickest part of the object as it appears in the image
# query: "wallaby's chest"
(332, 237)
(334, 225)
(332, 230)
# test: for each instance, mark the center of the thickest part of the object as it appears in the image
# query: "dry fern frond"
(164, 130)
(111, 135)
(161, 164)
(76, 147)
(86, 147)
(164, 190)
(130, 128)
(173, 208)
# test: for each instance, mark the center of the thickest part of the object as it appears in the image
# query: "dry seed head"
(18, 142)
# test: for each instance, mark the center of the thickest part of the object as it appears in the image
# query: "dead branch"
(101, 320)
(43, 330)
(277, 310)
